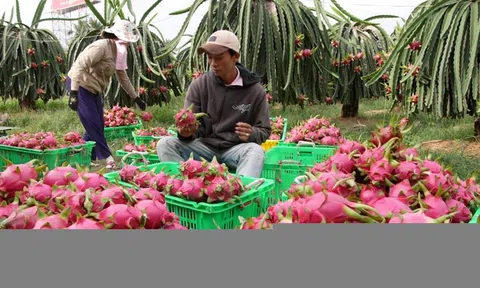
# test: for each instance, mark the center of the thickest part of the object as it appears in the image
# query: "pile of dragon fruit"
(42, 140)
(316, 130)
(380, 181)
(119, 116)
(67, 198)
(131, 147)
(277, 124)
(199, 181)
(154, 131)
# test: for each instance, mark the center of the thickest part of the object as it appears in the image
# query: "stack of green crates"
(139, 140)
(206, 216)
(285, 163)
(80, 154)
(122, 132)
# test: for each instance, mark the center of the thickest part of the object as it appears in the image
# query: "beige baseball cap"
(219, 42)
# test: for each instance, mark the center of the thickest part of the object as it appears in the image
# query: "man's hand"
(243, 130)
(141, 104)
(73, 100)
(187, 131)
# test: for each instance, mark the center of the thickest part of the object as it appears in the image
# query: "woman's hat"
(124, 30)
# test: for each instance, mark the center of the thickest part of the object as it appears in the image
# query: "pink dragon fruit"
(192, 189)
(143, 179)
(88, 180)
(193, 168)
(390, 207)
(433, 182)
(186, 119)
(338, 182)
(149, 194)
(76, 203)
(407, 170)
(56, 221)
(61, 176)
(103, 199)
(159, 181)
(257, 223)
(128, 173)
(6, 210)
(435, 206)
(380, 170)
(342, 162)
(57, 201)
(463, 213)
(403, 191)
(329, 140)
(433, 166)
(121, 216)
(219, 190)
(280, 209)
(155, 212)
(370, 194)
(38, 191)
(322, 167)
(22, 218)
(86, 224)
(369, 157)
(350, 146)
(173, 185)
(214, 169)
(16, 177)
(175, 226)
(418, 217)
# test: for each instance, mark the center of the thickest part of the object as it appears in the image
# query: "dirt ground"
(469, 148)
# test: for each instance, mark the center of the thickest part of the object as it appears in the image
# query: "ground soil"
(469, 148)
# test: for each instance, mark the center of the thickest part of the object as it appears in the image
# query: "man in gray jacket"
(238, 120)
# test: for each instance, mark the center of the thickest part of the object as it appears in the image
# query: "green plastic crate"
(283, 164)
(139, 140)
(205, 216)
(306, 144)
(475, 217)
(136, 159)
(80, 155)
(122, 132)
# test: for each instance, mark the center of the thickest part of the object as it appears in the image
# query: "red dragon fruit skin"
(149, 194)
(40, 192)
(350, 146)
(144, 179)
(343, 162)
(175, 226)
(173, 185)
(91, 180)
(407, 170)
(159, 181)
(192, 189)
(155, 212)
(417, 217)
(16, 177)
(433, 166)
(403, 191)
(122, 216)
(436, 207)
(86, 224)
(380, 170)
(61, 176)
(22, 218)
(128, 173)
(463, 213)
(192, 168)
(370, 194)
(390, 207)
(55, 221)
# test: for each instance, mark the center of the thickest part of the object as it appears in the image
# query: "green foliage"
(32, 62)
(267, 32)
(443, 75)
(146, 74)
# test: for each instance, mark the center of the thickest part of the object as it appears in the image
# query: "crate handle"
(145, 161)
(255, 184)
(305, 143)
(290, 162)
(300, 179)
(244, 205)
(76, 150)
(304, 153)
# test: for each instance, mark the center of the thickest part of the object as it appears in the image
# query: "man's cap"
(219, 42)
